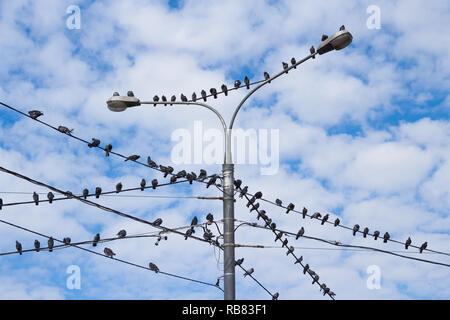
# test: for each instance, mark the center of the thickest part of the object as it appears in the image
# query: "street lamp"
(118, 103)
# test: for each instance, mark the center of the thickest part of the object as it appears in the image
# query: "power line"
(116, 259)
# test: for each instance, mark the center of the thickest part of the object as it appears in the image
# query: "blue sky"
(364, 135)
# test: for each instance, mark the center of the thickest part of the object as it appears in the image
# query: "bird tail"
(94, 244)
(50, 250)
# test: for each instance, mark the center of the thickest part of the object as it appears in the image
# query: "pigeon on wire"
(173, 179)
(122, 233)
(94, 143)
(194, 97)
(153, 267)
(251, 201)
(133, 157)
(239, 261)
(172, 99)
(316, 279)
(336, 222)
(279, 202)
(50, 197)
(96, 240)
(237, 183)
(285, 66)
(19, 247)
(155, 99)
(275, 296)
(34, 114)
(237, 84)
(262, 214)
(37, 245)
(203, 93)
(324, 219)
(202, 175)
(290, 250)
(181, 174)
(98, 192)
(300, 233)
(85, 193)
(290, 207)
(312, 50)
(213, 92)
(67, 240)
(386, 237)
(65, 130)
(191, 177)
(255, 207)
(305, 268)
(249, 272)
(183, 98)
(157, 222)
(1, 203)
(278, 236)
(209, 217)
(285, 242)
(273, 226)
(299, 260)
(194, 222)
(316, 215)
(247, 82)
(376, 234)
(109, 253)
(365, 232)
(355, 229)
(304, 212)
(211, 181)
(119, 187)
(293, 62)
(151, 163)
(408, 243)
(36, 198)
(108, 149)
(188, 233)
(324, 37)
(143, 183)
(164, 99)
(224, 89)
(154, 183)
(342, 28)
(266, 76)
(423, 246)
(130, 93)
(243, 192)
(50, 243)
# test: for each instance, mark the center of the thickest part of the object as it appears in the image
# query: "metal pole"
(228, 225)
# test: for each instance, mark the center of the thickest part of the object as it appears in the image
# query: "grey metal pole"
(228, 232)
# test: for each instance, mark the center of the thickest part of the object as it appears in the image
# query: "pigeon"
(19, 247)
(316, 279)
(249, 272)
(155, 99)
(194, 96)
(151, 163)
(247, 82)
(85, 193)
(273, 226)
(300, 233)
(262, 214)
(224, 89)
(255, 207)
(183, 98)
(188, 233)
(50, 243)
(108, 149)
(210, 217)
(96, 240)
(109, 253)
(130, 93)
(243, 192)
(237, 183)
(408, 243)
(213, 92)
(154, 183)
(279, 202)
(143, 183)
(355, 229)
(365, 232)
(181, 174)
(202, 175)
(116, 94)
(290, 250)
(203, 93)
(316, 215)
(37, 245)
(118, 187)
(237, 84)
(211, 181)
(34, 114)
(172, 99)
(423, 246)
(258, 195)
(168, 171)
(376, 234)
(50, 197)
(157, 222)
(173, 179)
(299, 260)
(326, 290)
(285, 242)
(278, 236)
(164, 99)
(153, 267)
(1, 203)
(290, 207)
(239, 261)
(65, 130)
(312, 50)
(275, 296)
(336, 222)
(324, 37)
(323, 286)
(331, 294)
(36, 198)
(122, 234)
(304, 212)
(134, 157)
(305, 268)
(293, 62)
(251, 201)
(386, 237)
(190, 177)
(67, 240)
(325, 218)
(94, 143)
(285, 66)
(342, 28)
(207, 235)
(194, 222)
(98, 191)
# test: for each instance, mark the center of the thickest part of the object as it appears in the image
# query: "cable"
(116, 259)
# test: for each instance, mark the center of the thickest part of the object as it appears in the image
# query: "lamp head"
(119, 103)
(337, 41)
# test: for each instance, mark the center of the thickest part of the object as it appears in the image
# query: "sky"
(364, 135)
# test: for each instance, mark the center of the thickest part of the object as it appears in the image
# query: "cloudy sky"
(364, 135)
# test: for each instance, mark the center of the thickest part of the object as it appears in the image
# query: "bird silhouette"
(37, 245)
(408, 243)
(237, 84)
(172, 99)
(109, 253)
(194, 222)
(65, 130)
(151, 163)
(300, 233)
(304, 212)
(239, 261)
(324, 219)
(130, 93)
(133, 157)
(202, 176)
(312, 50)
(247, 82)
(154, 183)
(285, 66)
(98, 192)
(183, 98)
(19, 247)
(278, 236)
(143, 183)
(255, 207)
(94, 143)
(279, 202)
(211, 181)
(203, 93)
(299, 260)
(290, 207)
(376, 234)
(36, 198)
(155, 99)
(157, 222)
(386, 237)
(118, 187)
(210, 217)
(50, 243)
(1, 203)
(122, 233)
(342, 28)
(67, 240)
(85, 193)
(108, 149)
(50, 197)
(251, 201)
(213, 92)
(423, 246)
(96, 240)
(181, 174)
(316, 215)
(34, 114)
(355, 229)
(336, 222)
(243, 192)
(153, 267)
(324, 37)
(290, 250)
(188, 233)
(275, 296)
(305, 268)
(249, 272)
(293, 62)
(285, 242)
(194, 96)
(365, 232)
(224, 89)
(164, 99)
